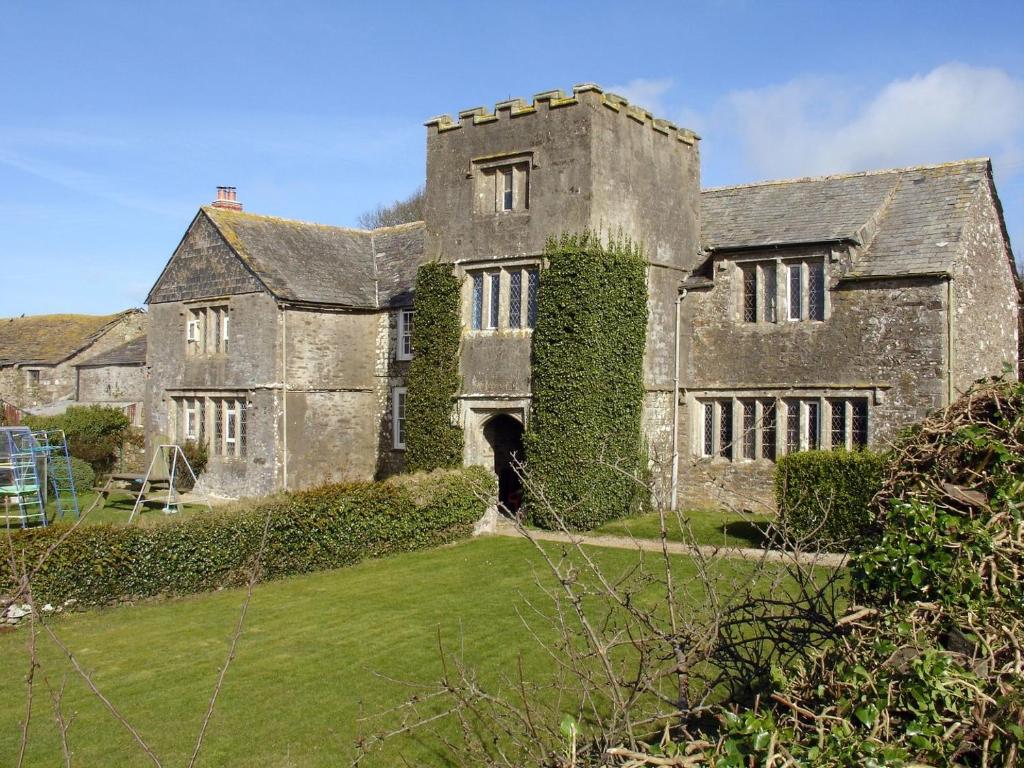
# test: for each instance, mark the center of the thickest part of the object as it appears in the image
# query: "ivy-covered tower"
(500, 183)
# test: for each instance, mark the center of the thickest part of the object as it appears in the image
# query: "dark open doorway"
(505, 436)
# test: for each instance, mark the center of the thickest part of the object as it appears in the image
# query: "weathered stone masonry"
(811, 312)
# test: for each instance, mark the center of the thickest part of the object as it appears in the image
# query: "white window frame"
(398, 406)
(405, 323)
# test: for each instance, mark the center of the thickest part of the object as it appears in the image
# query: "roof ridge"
(852, 175)
(285, 220)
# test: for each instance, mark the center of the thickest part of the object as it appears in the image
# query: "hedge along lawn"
(305, 666)
(715, 527)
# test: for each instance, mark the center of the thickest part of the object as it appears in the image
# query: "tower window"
(506, 197)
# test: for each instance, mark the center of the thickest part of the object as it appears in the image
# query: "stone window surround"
(197, 316)
(504, 268)
(486, 173)
(207, 405)
(737, 266)
(823, 396)
(403, 324)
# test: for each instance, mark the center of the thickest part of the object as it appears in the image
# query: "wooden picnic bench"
(134, 486)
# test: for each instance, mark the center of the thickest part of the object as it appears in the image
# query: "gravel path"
(676, 548)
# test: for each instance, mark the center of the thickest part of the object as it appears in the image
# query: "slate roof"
(132, 352)
(908, 221)
(321, 264)
(51, 339)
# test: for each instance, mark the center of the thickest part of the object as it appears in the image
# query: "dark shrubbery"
(584, 443)
(824, 497)
(327, 527)
(95, 433)
(83, 475)
(197, 455)
(430, 439)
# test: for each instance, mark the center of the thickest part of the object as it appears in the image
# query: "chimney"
(226, 199)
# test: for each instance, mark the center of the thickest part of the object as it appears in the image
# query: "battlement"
(514, 108)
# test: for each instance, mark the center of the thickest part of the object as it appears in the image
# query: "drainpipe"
(284, 393)
(675, 403)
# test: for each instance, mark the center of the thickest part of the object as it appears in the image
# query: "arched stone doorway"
(504, 434)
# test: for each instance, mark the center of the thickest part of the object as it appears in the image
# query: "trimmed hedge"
(584, 442)
(824, 497)
(327, 527)
(431, 442)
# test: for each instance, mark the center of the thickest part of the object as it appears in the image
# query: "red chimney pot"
(226, 199)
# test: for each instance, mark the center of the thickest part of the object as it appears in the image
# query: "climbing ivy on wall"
(430, 439)
(584, 441)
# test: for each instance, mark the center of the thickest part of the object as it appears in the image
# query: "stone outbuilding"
(38, 354)
(825, 312)
(115, 379)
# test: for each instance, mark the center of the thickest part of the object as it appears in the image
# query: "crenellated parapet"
(514, 108)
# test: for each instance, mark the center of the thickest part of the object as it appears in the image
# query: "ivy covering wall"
(431, 442)
(584, 440)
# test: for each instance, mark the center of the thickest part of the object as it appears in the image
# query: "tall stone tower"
(500, 183)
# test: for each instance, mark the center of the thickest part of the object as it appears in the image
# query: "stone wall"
(882, 339)
(986, 316)
(113, 385)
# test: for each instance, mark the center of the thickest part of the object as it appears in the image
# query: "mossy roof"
(51, 339)
(909, 221)
(303, 261)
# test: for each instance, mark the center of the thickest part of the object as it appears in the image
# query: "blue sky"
(118, 119)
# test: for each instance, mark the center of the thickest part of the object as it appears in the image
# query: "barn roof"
(51, 339)
(908, 221)
(132, 352)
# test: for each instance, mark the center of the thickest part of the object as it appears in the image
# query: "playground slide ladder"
(21, 462)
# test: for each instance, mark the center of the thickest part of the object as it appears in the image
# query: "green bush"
(431, 442)
(197, 455)
(83, 475)
(824, 497)
(584, 443)
(94, 433)
(327, 527)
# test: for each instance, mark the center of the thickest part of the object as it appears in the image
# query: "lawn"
(118, 509)
(716, 527)
(306, 667)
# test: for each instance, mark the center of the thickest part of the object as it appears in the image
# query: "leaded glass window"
(816, 291)
(750, 293)
(749, 429)
(478, 301)
(495, 303)
(795, 291)
(768, 429)
(838, 423)
(725, 430)
(515, 298)
(792, 426)
(709, 429)
(859, 426)
(533, 278)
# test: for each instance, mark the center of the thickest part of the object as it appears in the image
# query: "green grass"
(306, 667)
(706, 526)
(117, 510)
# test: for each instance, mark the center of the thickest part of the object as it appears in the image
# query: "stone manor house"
(786, 315)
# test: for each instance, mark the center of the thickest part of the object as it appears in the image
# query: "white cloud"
(819, 125)
(646, 93)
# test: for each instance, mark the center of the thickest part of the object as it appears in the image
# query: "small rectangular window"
(495, 300)
(506, 197)
(768, 429)
(725, 430)
(218, 428)
(859, 425)
(749, 429)
(242, 409)
(33, 377)
(795, 291)
(838, 431)
(708, 437)
(749, 293)
(813, 425)
(515, 299)
(792, 426)
(404, 346)
(398, 417)
(533, 277)
(816, 291)
(478, 301)
(770, 291)
(225, 331)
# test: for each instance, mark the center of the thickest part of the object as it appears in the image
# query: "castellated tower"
(500, 183)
